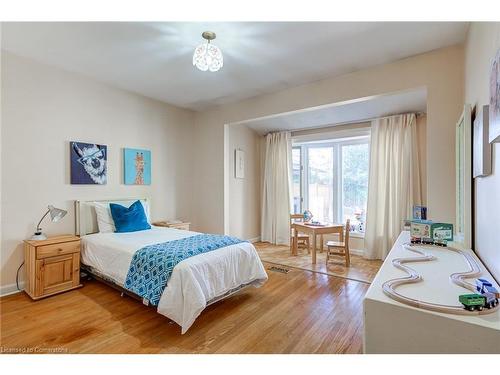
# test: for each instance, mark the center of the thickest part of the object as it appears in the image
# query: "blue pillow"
(129, 219)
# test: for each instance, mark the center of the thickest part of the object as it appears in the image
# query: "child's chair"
(302, 239)
(340, 248)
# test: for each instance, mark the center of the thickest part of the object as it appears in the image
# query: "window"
(331, 180)
(355, 163)
(320, 182)
(296, 178)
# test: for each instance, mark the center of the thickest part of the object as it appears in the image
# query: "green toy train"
(486, 296)
(473, 301)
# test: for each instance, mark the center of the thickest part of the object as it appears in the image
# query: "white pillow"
(105, 220)
(145, 205)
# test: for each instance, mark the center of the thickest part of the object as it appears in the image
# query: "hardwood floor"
(361, 269)
(298, 312)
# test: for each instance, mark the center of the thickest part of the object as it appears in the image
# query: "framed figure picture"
(494, 128)
(136, 166)
(88, 163)
(239, 164)
(481, 154)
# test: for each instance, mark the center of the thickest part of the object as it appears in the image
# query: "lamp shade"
(56, 214)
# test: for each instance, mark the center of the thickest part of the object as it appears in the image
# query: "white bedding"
(194, 281)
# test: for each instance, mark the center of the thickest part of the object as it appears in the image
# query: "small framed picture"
(481, 158)
(239, 164)
(136, 166)
(494, 118)
(419, 212)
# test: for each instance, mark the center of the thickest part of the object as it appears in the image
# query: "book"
(420, 212)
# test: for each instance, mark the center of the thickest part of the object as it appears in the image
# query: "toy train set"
(484, 295)
(482, 300)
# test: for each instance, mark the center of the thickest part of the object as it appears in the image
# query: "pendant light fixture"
(208, 56)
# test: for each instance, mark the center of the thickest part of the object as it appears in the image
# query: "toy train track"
(413, 277)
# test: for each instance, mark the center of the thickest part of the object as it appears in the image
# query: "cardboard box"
(420, 228)
(442, 231)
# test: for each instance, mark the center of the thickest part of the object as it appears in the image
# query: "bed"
(195, 282)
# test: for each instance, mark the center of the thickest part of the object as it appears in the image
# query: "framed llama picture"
(136, 166)
(494, 130)
(88, 163)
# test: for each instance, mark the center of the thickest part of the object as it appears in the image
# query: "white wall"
(43, 108)
(244, 194)
(483, 42)
(441, 72)
(1, 176)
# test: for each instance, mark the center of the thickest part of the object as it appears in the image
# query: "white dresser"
(393, 327)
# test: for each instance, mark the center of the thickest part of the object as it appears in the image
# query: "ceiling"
(351, 111)
(155, 59)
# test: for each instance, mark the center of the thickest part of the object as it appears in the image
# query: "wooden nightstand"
(183, 226)
(52, 265)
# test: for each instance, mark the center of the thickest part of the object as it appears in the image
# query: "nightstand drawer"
(57, 249)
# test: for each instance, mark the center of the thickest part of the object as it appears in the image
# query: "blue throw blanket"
(151, 266)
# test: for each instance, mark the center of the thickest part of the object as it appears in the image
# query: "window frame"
(301, 173)
(337, 191)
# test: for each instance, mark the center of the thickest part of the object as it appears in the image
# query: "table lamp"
(56, 214)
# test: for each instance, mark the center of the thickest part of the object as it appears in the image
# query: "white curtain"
(275, 220)
(394, 182)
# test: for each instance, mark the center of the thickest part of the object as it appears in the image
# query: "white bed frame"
(85, 216)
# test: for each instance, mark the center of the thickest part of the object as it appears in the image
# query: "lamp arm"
(38, 225)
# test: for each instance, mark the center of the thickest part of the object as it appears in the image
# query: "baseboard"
(357, 252)
(253, 240)
(6, 290)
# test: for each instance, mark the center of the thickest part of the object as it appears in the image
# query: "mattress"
(194, 281)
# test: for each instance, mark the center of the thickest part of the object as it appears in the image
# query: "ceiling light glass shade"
(208, 57)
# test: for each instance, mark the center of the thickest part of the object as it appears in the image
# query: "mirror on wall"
(463, 150)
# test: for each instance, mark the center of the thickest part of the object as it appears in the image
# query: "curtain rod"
(417, 114)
